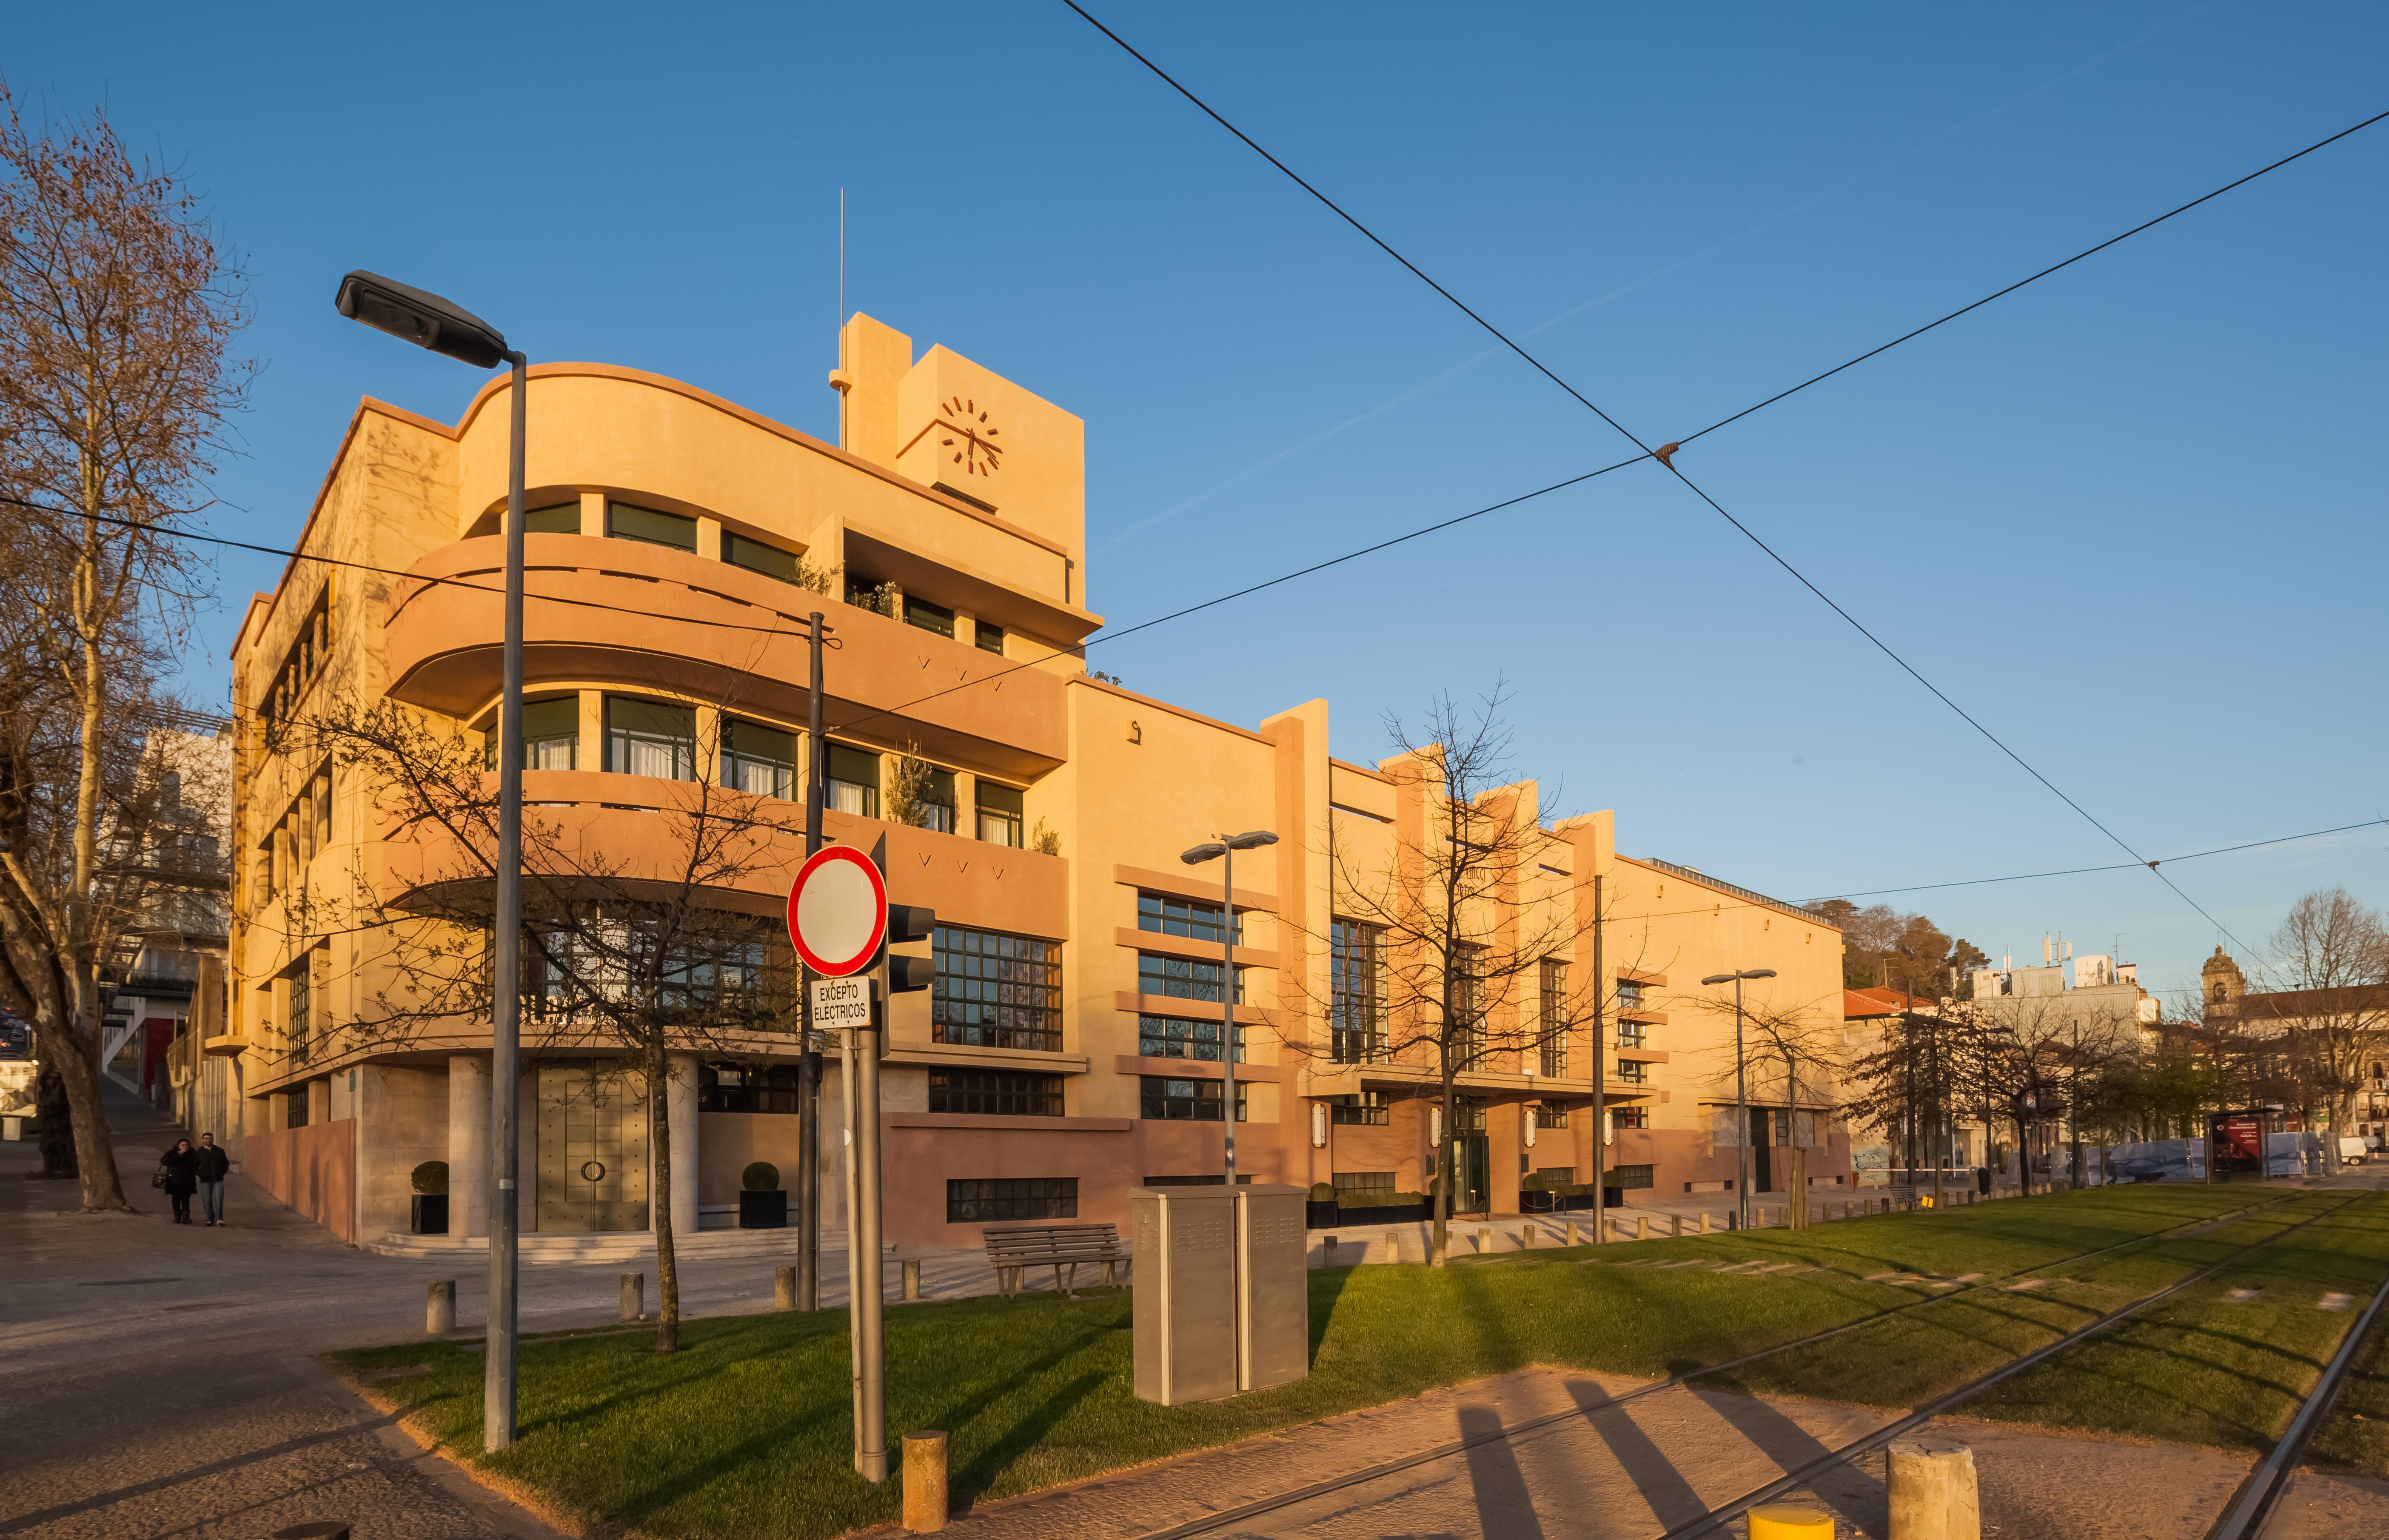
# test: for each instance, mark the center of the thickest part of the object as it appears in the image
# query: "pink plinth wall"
(313, 1170)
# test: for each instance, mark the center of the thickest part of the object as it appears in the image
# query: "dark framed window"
(1625, 1176)
(993, 1200)
(556, 519)
(1633, 1072)
(999, 813)
(1182, 978)
(934, 809)
(928, 617)
(1551, 1115)
(1365, 1181)
(1467, 1115)
(300, 1026)
(749, 1088)
(1630, 1117)
(1361, 1109)
(650, 527)
(1629, 1035)
(1629, 996)
(758, 760)
(853, 781)
(650, 737)
(1468, 1003)
(1191, 917)
(756, 557)
(996, 1093)
(1169, 1100)
(995, 991)
(1553, 1030)
(988, 638)
(1215, 1180)
(1357, 1004)
(1180, 1037)
(295, 1109)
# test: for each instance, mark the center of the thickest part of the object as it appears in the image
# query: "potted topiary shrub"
(762, 1204)
(431, 1183)
(1320, 1211)
(1535, 1193)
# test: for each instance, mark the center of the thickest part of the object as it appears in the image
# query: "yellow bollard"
(1572, 1232)
(784, 1288)
(1790, 1522)
(925, 1481)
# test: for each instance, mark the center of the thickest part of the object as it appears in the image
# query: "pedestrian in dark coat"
(180, 1166)
(209, 1164)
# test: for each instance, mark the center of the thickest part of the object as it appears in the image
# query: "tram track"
(1224, 1518)
(2252, 1508)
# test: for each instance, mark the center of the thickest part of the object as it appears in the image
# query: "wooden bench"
(1014, 1249)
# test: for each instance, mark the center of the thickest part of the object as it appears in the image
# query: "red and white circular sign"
(837, 911)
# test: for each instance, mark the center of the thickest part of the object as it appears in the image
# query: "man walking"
(210, 1165)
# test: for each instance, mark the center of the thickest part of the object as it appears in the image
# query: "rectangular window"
(552, 734)
(1629, 1035)
(988, 638)
(1632, 1072)
(1357, 980)
(648, 738)
(1551, 1115)
(1629, 996)
(995, 991)
(1467, 1115)
(1365, 1181)
(301, 1019)
(1630, 1117)
(1015, 1199)
(1174, 1037)
(749, 1088)
(1212, 1181)
(1182, 977)
(758, 760)
(1169, 1099)
(649, 526)
(996, 1093)
(1000, 815)
(934, 807)
(1190, 917)
(853, 781)
(295, 1109)
(928, 617)
(1468, 1004)
(756, 557)
(1553, 1031)
(556, 518)
(1625, 1176)
(1363, 1110)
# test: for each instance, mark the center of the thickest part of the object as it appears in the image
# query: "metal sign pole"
(869, 1301)
(809, 1059)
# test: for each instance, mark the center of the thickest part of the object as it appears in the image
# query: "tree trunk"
(1439, 1244)
(58, 1123)
(94, 1152)
(659, 1160)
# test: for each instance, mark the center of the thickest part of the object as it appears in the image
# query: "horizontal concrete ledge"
(1008, 1126)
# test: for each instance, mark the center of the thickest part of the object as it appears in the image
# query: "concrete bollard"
(1705, 1222)
(1484, 1238)
(1393, 1245)
(913, 1280)
(634, 1296)
(925, 1481)
(1526, 1239)
(1790, 1522)
(1572, 1232)
(1678, 1226)
(1934, 1495)
(1327, 1252)
(784, 1288)
(440, 1308)
(1642, 1227)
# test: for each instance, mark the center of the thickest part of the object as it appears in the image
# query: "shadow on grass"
(1328, 1287)
(983, 1468)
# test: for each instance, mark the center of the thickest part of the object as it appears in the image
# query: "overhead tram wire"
(2114, 867)
(1664, 453)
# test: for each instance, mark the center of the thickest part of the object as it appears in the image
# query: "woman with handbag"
(178, 1176)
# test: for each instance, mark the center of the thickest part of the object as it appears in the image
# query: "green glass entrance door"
(593, 1148)
(1472, 1188)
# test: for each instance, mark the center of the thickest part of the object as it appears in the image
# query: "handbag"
(158, 1179)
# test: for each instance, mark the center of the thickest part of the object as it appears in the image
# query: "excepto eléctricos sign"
(837, 911)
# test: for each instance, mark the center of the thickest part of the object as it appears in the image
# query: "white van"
(2353, 1149)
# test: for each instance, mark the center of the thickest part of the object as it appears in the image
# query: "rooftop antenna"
(841, 258)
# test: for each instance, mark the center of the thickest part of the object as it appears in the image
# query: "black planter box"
(1540, 1202)
(1386, 1214)
(763, 1211)
(431, 1213)
(1318, 1215)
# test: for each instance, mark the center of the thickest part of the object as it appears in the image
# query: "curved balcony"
(653, 619)
(582, 821)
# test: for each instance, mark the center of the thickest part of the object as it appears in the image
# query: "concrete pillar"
(679, 1096)
(1932, 1491)
(468, 1145)
(925, 1481)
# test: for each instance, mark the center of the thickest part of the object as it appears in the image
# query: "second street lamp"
(1225, 849)
(448, 330)
(1742, 1087)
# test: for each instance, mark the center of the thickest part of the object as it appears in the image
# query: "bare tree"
(2329, 965)
(116, 311)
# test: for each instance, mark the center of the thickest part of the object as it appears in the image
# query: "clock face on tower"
(968, 438)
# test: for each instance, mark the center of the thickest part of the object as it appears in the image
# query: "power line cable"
(2116, 866)
(1665, 452)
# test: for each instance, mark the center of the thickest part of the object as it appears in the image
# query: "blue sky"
(2129, 517)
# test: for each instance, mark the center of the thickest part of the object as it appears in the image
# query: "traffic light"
(910, 922)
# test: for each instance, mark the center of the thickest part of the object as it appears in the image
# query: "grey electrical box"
(1183, 1250)
(1273, 1287)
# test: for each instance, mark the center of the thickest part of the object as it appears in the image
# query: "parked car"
(2354, 1150)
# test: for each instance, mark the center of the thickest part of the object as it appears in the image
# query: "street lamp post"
(1225, 849)
(431, 322)
(1742, 1086)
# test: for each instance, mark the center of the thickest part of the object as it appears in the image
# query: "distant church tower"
(2221, 984)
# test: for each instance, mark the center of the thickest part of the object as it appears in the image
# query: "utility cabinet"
(1222, 1290)
(1273, 1287)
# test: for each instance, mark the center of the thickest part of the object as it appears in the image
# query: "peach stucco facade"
(954, 513)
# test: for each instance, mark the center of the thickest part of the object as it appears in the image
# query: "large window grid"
(1169, 1100)
(1365, 1181)
(1011, 1199)
(995, 991)
(1182, 978)
(749, 1088)
(1630, 1117)
(1632, 1072)
(649, 738)
(1178, 1037)
(1357, 1008)
(1553, 1029)
(1468, 1005)
(1361, 1109)
(1551, 1115)
(996, 1093)
(1165, 915)
(300, 1026)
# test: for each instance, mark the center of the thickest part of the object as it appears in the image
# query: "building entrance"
(593, 1148)
(1472, 1188)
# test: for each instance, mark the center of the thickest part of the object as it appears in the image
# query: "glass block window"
(928, 617)
(1167, 916)
(758, 760)
(756, 557)
(853, 781)
(988, 638)
(997, 1092)
(1169, 1100)
(1000, 810)
(1357, 980)
(1630, 1117)
(556, 519)
(985, 1201)
(1363, 1110)
(995, 991)
(650, 527)
(1551, 1115)
(1552, 1031)
(1182, 978)
(648, 738)
(1177, 1037)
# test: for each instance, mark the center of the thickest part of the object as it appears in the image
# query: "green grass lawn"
(745, 1434)
(2357, 1435)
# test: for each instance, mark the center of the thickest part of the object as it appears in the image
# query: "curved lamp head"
(422, 318)
(1201, 853)
(1251, 839)
(1746, 973)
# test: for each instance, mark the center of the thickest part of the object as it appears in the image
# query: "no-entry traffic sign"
(837, 911)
